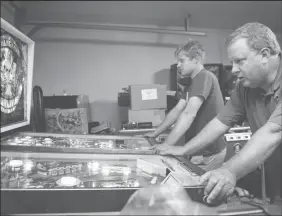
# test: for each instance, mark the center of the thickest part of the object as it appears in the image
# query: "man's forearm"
(168, 121)
(209, 134)
(182, 125)
(256, 150)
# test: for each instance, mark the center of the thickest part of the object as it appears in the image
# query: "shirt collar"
(277, 80)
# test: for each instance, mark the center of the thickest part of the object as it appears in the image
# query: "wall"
(7, 12)
(100, 63)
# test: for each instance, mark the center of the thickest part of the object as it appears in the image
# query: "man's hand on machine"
(160, 147)
(150, 135)
(172, 150)
(220, 184)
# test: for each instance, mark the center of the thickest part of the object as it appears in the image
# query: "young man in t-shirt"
(201, 101)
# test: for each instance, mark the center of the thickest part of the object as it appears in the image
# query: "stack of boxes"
(148, 103)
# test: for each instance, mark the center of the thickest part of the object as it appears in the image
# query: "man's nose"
(235, 70)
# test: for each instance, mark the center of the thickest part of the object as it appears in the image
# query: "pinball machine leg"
(263, 189)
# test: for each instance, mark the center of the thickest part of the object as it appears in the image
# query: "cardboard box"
(156, 116)
(150, 96)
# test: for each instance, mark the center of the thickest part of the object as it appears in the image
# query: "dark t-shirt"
(205, 85)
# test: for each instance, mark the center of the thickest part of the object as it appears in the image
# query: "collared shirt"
(255, 105)
(259, 107)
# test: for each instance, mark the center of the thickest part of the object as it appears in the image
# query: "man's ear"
(197, 59)
(265, 53)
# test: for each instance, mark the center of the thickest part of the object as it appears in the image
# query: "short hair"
(192, 49)
(258, 37)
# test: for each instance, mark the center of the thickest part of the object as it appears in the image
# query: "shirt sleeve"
(184, 93)
(276, 116)
(201, 86)
(234, 111)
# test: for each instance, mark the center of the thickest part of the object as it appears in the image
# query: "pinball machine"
(54, 183)
(58, 183)
(53, 174)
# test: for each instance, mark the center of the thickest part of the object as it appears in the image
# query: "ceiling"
(204, 14)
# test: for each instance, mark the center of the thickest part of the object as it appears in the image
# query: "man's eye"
(239, 61)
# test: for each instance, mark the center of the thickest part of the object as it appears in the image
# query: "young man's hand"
(161, 147)
(173, 150)
(150, 135)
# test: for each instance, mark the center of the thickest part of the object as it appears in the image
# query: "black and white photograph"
(141, 108)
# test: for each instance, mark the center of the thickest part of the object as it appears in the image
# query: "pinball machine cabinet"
(46, 173)
(33, 183)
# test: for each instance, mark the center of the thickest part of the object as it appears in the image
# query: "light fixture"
(114, 27)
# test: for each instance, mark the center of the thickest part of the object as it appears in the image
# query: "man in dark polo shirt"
(201, 101)
(256, 58)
